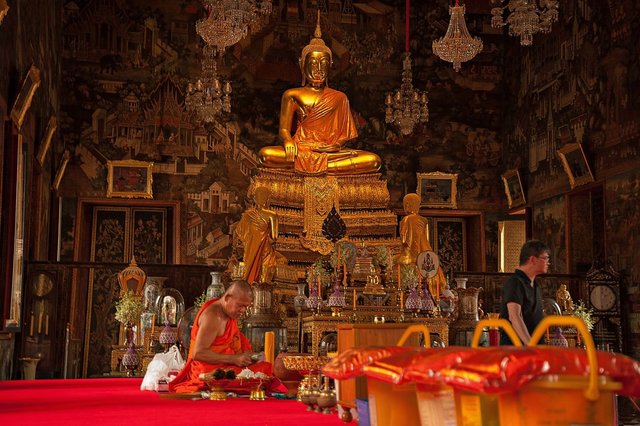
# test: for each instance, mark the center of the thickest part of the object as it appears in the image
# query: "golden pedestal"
(303, 202)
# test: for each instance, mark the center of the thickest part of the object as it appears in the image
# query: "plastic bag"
(160, 367)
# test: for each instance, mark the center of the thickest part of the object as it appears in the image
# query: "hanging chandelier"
(228, 21)
(407, 106)
(525, 18)
(457, 45)
(208, 97)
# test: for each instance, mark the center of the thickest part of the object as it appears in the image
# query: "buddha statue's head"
(411, 203)
(262, 196)
(316, 59)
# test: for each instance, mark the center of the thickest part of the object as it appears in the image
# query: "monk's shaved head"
(237, 299)
(238, 287)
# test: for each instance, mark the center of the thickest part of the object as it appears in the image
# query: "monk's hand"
(243, 359)
(290, 150)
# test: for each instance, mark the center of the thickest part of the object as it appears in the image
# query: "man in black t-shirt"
(521, 301)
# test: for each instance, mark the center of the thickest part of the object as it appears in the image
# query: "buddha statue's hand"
(290, 150)
(328, 148)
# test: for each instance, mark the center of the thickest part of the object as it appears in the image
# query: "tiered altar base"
(303, 202)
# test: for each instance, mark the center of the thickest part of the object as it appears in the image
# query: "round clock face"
(603, 298)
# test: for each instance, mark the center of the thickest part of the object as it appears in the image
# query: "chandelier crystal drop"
(228, 21)
(407, 106)
(207, 98)
(457, 45)
(526, 17)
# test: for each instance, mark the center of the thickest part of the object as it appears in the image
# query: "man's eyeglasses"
(545, 258)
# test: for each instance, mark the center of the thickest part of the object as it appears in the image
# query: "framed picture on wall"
(46, 140)
(25, 96)
(450, 242)
(438, 190)
(129, 179)
(513, 188)
(575, 164)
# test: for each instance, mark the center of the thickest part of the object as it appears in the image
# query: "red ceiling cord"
(406, 31)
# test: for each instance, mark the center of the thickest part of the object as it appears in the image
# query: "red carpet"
(120, 402)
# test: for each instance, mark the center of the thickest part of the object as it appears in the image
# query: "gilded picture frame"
(23, 101)
(513, 188)
(62, 167)
(43, 150)
(129, 179)
(575, 164)
(438, 190)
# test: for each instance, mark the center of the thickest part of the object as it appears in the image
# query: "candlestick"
(40, 318)
(344, 274)
(338, 264)
(354, 299)
(46, 325)
(153, 325)
(402, 300)
(269, 337)
(319, 289)
(399, 278)
(31, 324)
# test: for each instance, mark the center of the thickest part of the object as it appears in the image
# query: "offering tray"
(241, 386)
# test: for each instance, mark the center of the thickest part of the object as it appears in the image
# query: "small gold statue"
(563, 297)
(325, 123)
(258, 230)
(413, 234)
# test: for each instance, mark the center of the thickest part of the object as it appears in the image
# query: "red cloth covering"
(349, 364)
(497, 369)
(232, 341)
(393, 369)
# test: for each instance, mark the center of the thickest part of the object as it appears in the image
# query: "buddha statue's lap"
(325, 124)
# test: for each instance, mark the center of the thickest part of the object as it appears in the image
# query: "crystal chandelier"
(228, 21)
(457, 45)
(526, 18)
(207, 98)
(407, 106)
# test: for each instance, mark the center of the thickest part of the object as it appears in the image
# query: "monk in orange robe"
(216, 340)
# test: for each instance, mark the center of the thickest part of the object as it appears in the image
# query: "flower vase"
(558, 339)
(130, 360)
(168, 336)
(216, 288)
(300, 300)
(128, 333)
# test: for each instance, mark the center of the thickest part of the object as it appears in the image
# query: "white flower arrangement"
(129, 308)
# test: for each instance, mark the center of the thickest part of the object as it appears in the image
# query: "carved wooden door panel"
(117, 234)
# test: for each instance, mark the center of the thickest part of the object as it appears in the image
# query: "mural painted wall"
(127, 66)
(576, 86)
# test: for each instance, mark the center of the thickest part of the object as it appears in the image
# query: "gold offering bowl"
(304, 363)
(310, 385)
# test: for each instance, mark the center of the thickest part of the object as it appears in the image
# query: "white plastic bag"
(160, 366)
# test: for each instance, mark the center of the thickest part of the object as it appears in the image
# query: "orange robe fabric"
(232, 341)
(327, 125)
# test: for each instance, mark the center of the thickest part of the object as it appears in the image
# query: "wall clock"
(603, 298)
(603, 286)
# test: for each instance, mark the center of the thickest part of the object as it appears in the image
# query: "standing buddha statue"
(413, 234)
(324, 124)
(258, 231)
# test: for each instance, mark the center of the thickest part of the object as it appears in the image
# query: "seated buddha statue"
(324, 123)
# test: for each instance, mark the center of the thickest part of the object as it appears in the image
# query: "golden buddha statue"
(258, 231)
(325, 123)
(413, 234)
